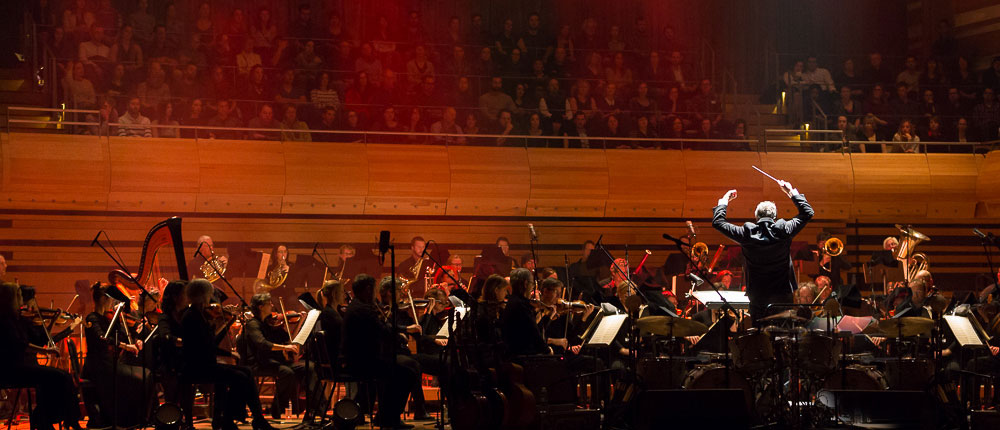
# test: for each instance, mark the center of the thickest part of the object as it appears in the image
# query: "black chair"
(88, 391)
(332, 373)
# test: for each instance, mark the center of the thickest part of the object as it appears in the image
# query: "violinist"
(330, 319)
(271, 353)
(168, 342)
(492, 301)
(429, 347)
(518, 325)
(456, 293)
(56, 399)
(233, 384)
(616, 291)
(406, 322)
(561, 320)
(35, 320)
(120, 393)
(366, 337)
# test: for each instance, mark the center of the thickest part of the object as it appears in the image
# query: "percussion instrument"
(671, 326)
(856, 377)
(752, 352)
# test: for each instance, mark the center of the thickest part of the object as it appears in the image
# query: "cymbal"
(789, 315)
(905, 326)
(909, 231)
(671, 326)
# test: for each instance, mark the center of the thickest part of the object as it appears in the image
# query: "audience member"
(495, 100)
(224, 119)
(447, 125)
(906, 139)
(166, 118)
(986, 115)
(132, 123)
(815, 75)
(264, 120)
(911, 75)
(291, 122)
(327, 122)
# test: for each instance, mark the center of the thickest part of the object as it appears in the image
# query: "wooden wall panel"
(567, 182)
(953, 185)
(645, 183)
(826, 180)
(708, 178)
(488, 181)
(43, 171)
(890, 185)
(988, 185)
(407, 179)
(325, 178)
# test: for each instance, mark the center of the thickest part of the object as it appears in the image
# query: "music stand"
(880, 272)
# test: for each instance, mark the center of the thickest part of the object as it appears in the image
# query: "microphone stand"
(726, 306)
(987, 240)
(534, 241)
(115, 360)
(438, 264)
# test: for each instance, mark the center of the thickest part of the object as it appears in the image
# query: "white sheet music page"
(962, 328)
(443, 333)
(306, 328)
(607, 329)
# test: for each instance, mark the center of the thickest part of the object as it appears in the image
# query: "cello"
(167, 232)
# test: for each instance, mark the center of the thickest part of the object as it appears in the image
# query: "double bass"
(167, 232)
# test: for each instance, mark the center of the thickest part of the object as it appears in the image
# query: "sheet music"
(443, 333)
(738, 299)
(264, 261)
(607, 330)
(306, 328)
(962, 328)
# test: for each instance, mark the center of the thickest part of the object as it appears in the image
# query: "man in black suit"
(365, 336)
(766, 245)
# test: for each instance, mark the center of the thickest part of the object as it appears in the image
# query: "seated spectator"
(308, 62)
(154, 90)
(116, 85)
(352, 124)
(535, 43)
(322, 96)
(911, 75)
(986, 115)
(237, 28)
(706, 104)
(484, 66)
(418, 67)
(428, 94)
(933, 78)
(264, 120)
(672, 105)
(447, 125)
(219, 86)
(127, 52)
(878, 106)
(463, 98)
(537, 78)
(954, 106)
(390, 92)
(195, 117)
(94, 52)
(359, 97)
(708, 132)
(927, 107)
(504, 127)
(165, 118)
(495, 100)
(619, 74)
(934, 133)
(552, 104)
(457, 64)
(903, 106)
(739, 130)
(263, 32)
(589, 40)
(225, 117)
(965, 80)
(848, 106)
(877, 72)
(869, 133)
(79, 91)
(654, 73)
(203, 26)
(561, 65)
(815, 75)
(615, 42)
(580, 101)
(189, 86)
(194, 52)
(990, 77)
(303, 27)
(674, 130)
(505, 41)
(478, 35)
(642, 105)
(471, 128)
(415, 124)
(963, 133)
(679, 74)
(849, 77)
(367, 62)
(142, 21)
(906, 139)
(453, 35)
(564, 41)
(174, 27)
(327, 122)
(106, 114)
(609, 104)
(132, 123)
(847, 132)
(388, 123)
(643, 130)
(288, 91)
(222, 52)
(413, 32)
(579, 130)
(247, 59)
(555, 131)
(593, 70)
(534, 128)
(290, 121)
(514, 67)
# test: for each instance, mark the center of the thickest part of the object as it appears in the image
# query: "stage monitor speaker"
(716, 408)
(896, 409)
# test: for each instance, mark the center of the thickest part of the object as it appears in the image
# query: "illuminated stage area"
(499, 215)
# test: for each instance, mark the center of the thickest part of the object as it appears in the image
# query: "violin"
(44, 314)
(276, 319)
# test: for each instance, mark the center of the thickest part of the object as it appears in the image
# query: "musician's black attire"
(838, 264)
(768, 262)
(55, 394)
(169, 361)
(233, 384)
(260, 338)
(125, 392)
(428, 351)
(365, 340)
(517, 326)
(332, 324)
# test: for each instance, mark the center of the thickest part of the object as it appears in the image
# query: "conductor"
(765, 246)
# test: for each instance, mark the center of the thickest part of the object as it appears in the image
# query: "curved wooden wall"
(59, 172)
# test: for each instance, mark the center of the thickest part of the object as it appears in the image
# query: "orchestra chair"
(87, 388)
(332, 374)
(17, 398)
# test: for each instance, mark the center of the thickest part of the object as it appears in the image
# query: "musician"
(206, 249)
(886, 257)
(407, 324)
(988, 363)
(725, 279)
(271, 353)
(528, 262)
(277, 265)
(915, 307)
(509, 263)
(120, 391)
(616, 291)
(330, 320)
(456, 293)
(517, 320)
(36, 333)
(347, 270)
(492, 301)
(823, 288)
(584, 278)
(168, 342)
(234, 385)
(560, 327)
(769, 273)
(3, 267)
(368, 340)
(415, 266)
(55, 395)
(429, 347)
(830, 266)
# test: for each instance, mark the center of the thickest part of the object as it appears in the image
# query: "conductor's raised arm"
(794, 225)
(732, 231)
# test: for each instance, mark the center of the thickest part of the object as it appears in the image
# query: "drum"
(909, 373)
(661, 373)
(752, 352)
(856, 377)
(818, 353)
(713, 376)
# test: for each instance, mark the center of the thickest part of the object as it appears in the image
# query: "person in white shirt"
(447, 125)
(132, 123)
(815, 75)
(94, 49)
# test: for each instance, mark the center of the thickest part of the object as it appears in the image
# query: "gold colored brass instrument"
(276, 277)
(219, 265)
(833, 247)
(415, 270)
(908, 241)
(918, 263)
(700, 251)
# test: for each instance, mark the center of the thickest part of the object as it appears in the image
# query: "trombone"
(832, 247)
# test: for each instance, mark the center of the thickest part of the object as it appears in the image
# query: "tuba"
(918, 263)
(908, 241)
